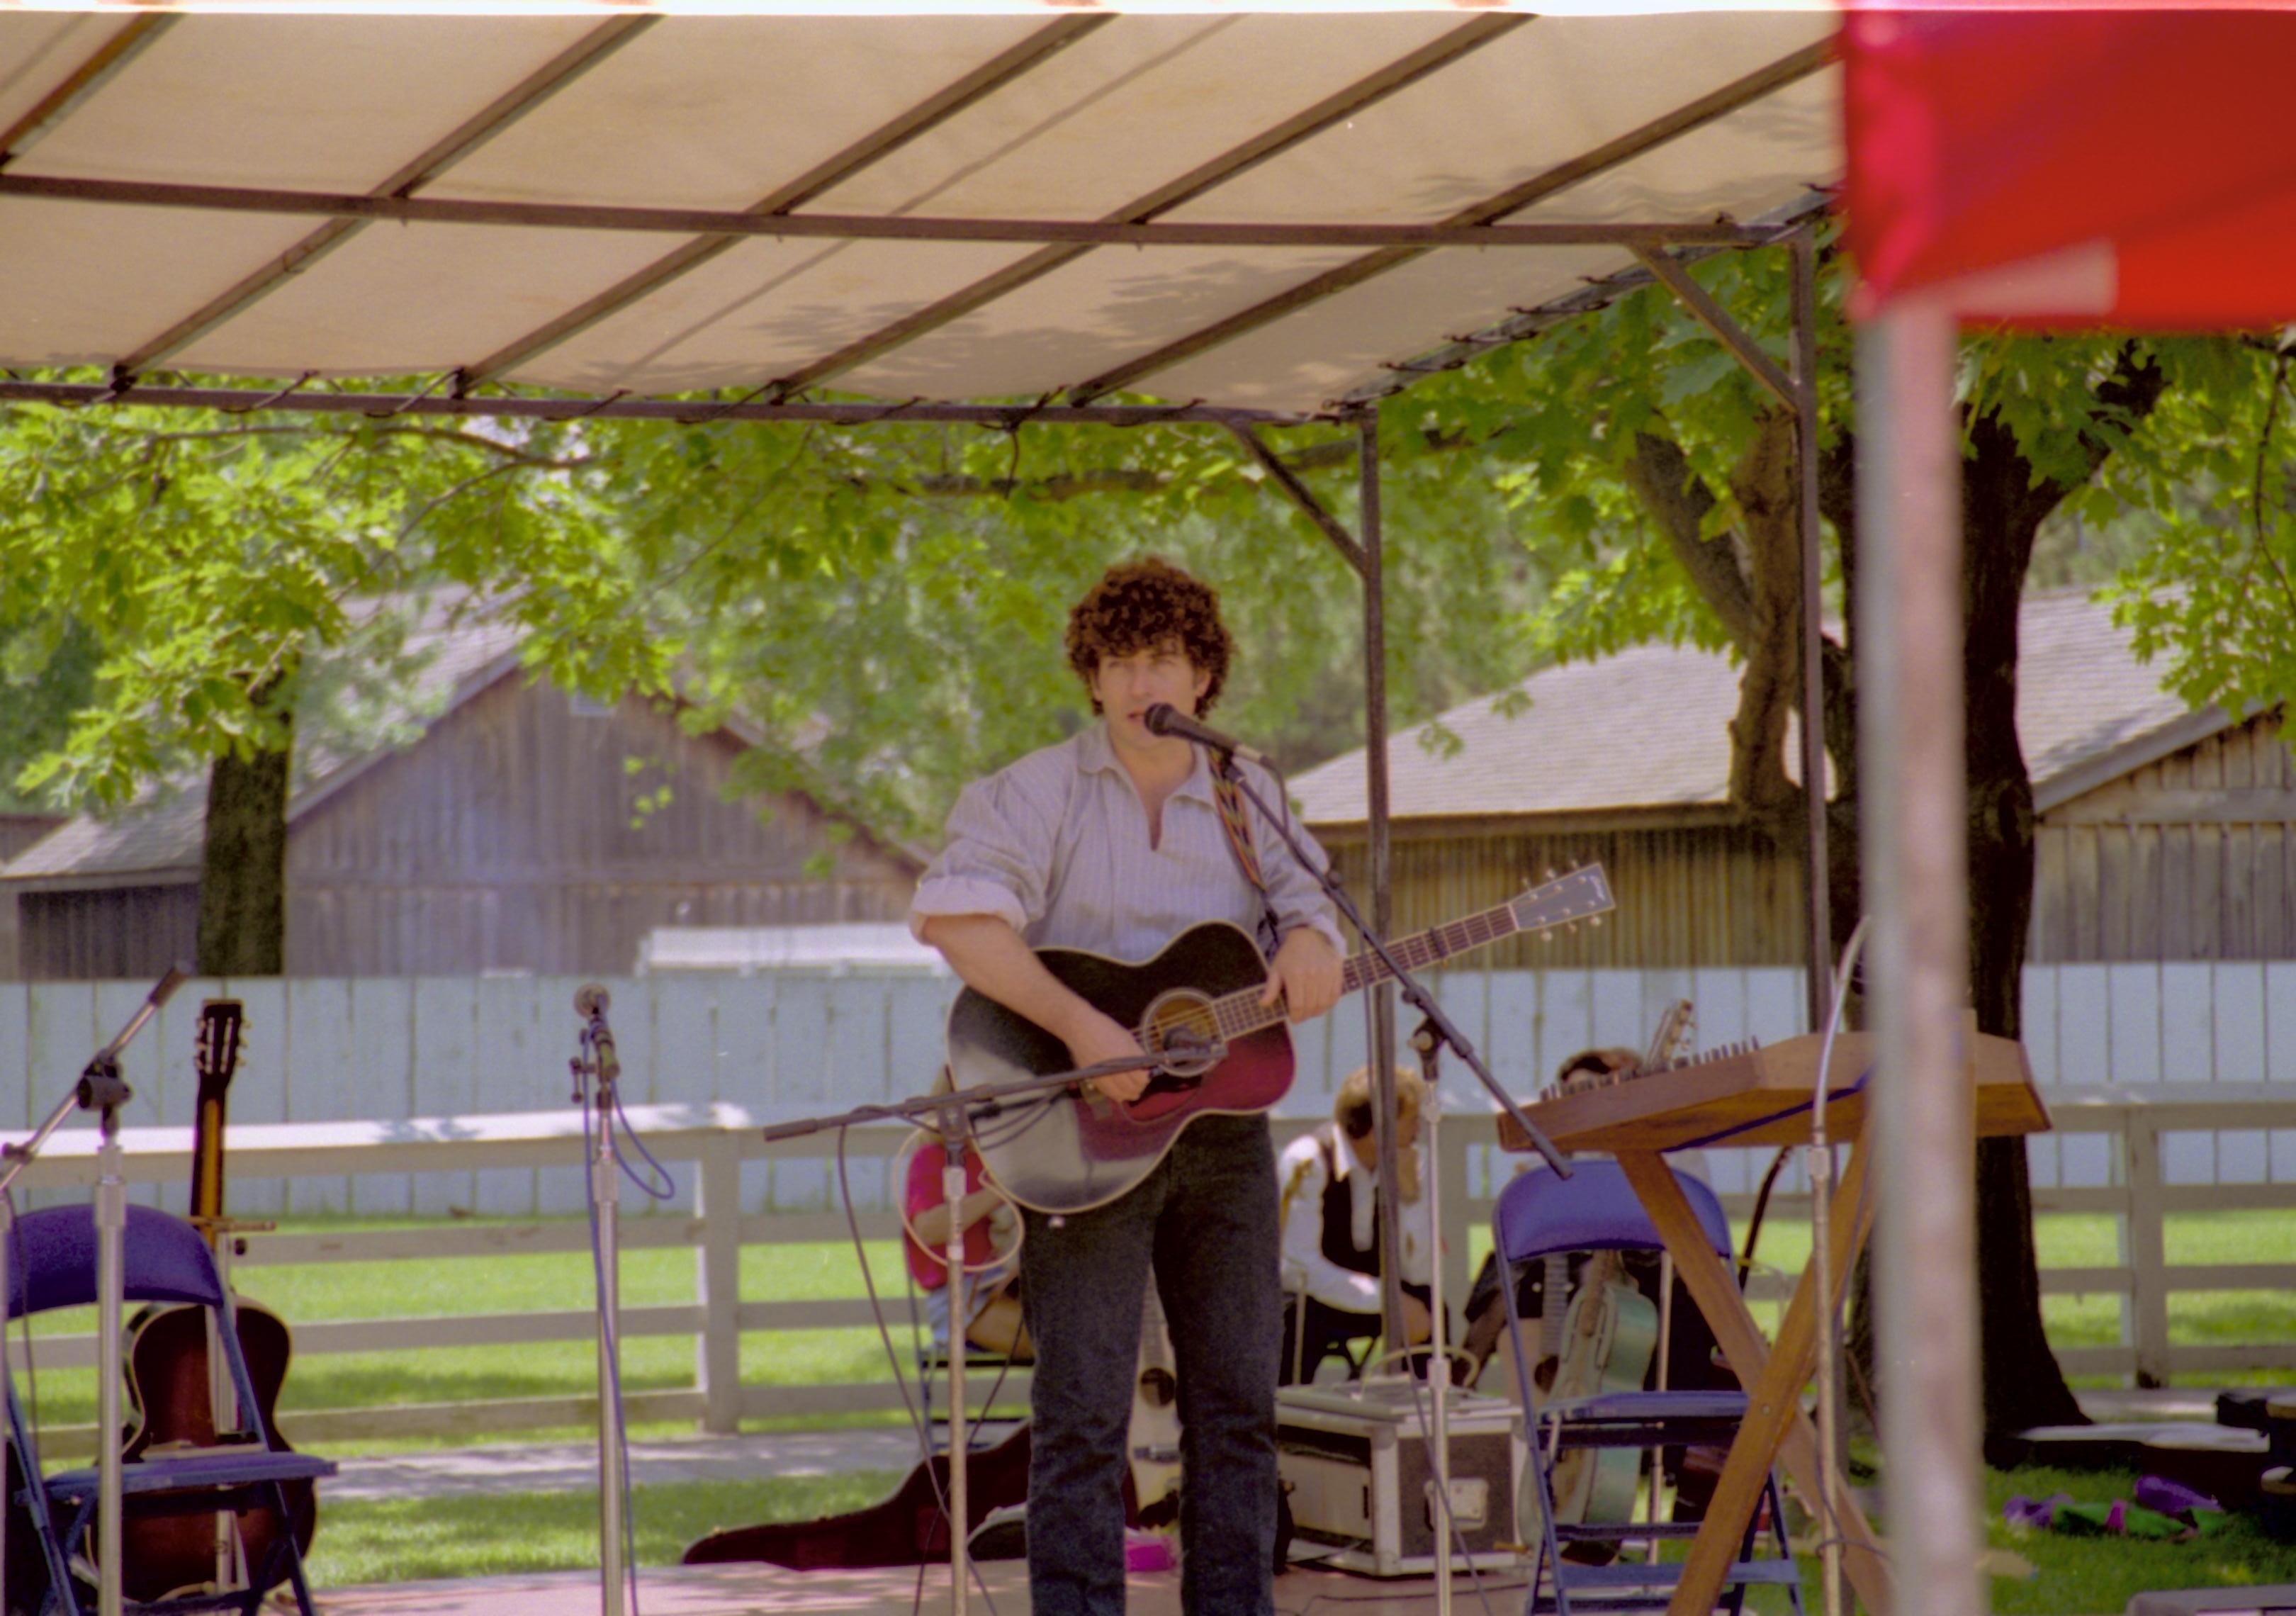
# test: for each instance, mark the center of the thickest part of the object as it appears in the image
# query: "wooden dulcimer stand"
(1761, 1096)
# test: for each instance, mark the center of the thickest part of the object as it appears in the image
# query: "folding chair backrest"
(1595, 1209)
(52, 1260)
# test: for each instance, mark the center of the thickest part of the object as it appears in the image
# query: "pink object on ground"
(1148, 1551)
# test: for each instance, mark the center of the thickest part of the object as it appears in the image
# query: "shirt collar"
(1097, 754)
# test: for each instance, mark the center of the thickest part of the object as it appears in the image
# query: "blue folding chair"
(52, 1264)
(1596, 1209)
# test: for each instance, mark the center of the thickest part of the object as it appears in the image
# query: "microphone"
(590, 1002)
(1163, 719)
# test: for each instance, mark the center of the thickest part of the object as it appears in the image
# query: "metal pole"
(1813, 632)
(1915, 802)
(7, 1443)
(1439, 1373)
(111, 1277)
(605, 1201)
(1816, 882)
(960, 1309)
(1379, 1005)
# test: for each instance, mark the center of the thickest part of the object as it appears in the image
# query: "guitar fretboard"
(1241, 1013)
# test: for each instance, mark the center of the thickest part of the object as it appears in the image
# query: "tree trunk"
(2002, 510)
(243, 867)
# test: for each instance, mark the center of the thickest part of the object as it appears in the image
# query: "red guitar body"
(1073, 1152)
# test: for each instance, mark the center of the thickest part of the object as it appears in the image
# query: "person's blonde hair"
(1352, 1109)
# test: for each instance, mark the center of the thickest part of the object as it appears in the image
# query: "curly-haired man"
(1112, 841)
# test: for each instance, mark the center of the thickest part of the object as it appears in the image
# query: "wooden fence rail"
(719, 1142)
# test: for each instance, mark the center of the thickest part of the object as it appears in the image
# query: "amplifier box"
(1356, 1459)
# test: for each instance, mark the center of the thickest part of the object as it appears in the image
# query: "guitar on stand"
(180, 1383)
(1604, 1341)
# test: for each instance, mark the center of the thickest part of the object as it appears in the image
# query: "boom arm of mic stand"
(973, 1099)
(1419, 999)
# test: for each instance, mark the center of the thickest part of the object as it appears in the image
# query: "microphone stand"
(1435, 1031)
(596, 1069)
(1414, 994)
(100, 1089)
(952, 1115)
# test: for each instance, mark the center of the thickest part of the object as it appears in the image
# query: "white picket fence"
(793, 1044)
(711, 1148)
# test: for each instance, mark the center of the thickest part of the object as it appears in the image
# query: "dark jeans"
(1205, 1221)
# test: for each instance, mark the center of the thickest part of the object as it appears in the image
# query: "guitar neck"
(1241, 1012)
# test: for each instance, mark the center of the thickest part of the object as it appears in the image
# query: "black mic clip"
(1163, 719)
(590, 1002)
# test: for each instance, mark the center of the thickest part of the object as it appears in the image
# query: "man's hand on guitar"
(1097, 1037)
(1306, 975)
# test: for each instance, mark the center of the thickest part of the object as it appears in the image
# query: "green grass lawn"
(409, 1540)
(382, 1541)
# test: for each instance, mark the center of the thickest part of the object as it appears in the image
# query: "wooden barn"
(2165, 834)
(510, 836)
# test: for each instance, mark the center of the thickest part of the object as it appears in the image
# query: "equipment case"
(1357, 1462)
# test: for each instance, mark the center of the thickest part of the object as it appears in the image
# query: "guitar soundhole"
(1179, 1021)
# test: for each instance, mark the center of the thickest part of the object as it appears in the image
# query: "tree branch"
(1679, 500)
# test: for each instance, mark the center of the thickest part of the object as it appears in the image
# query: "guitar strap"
(1237, 823)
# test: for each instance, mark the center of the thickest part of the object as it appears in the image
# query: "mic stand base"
(950, 1115)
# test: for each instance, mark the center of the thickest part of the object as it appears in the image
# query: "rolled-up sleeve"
(995, 857)
(1293, 894)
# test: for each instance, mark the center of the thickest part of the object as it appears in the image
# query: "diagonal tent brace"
(1302, 496)
(1799, 393)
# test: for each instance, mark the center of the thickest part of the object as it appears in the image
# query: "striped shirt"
(1057, 845)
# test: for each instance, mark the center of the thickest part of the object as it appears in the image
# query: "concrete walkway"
(573, 1466)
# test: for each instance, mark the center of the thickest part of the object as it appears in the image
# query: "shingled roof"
(1648, 729)
(159, 841)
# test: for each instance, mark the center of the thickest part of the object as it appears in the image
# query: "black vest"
(1339, 1218)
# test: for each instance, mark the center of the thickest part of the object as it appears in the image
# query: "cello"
(181, 1390)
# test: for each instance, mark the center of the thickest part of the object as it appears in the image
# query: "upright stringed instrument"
(1196, 1005)
(180, 1387)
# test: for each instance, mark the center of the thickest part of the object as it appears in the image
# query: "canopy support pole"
(1819, 909)
(1379, 1005)
(1364, 552)
(1914, 804)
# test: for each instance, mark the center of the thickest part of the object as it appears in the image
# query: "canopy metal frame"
(1661, 249)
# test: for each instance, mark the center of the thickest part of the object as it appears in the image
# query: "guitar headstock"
(1583, 894)
(215, 1048)
(1676, 1029)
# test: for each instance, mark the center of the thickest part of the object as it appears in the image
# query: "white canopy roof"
(1019, 114)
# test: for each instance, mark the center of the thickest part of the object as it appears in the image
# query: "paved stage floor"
(764, 1590)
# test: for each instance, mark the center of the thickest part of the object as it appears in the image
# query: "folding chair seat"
(52, 1264)
(1541, 1213)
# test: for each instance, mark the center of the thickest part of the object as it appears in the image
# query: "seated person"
(991, 1232)
(1330, 1190)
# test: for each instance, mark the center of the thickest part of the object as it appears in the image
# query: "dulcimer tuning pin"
(1550, 874)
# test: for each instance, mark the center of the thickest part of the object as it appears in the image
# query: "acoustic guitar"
(1196, 1005)
(180, 1389)
(1607, 1339)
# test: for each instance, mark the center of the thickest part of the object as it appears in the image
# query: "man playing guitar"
(1113, 841)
